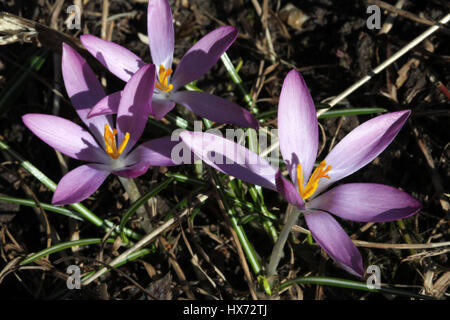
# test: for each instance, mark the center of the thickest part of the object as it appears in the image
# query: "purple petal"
(160, 32)
(84, 90)
(333, 239)
(288, 191)
(80, 183)
(297, 125)
(65, 136)
(156, 152)
(231, 158)
(161, 107)
(203, 55)
(119, 60)
(108, 105)
(216, 109)
(362, 145)
(134, 107)
(367, 202)
(133, 171)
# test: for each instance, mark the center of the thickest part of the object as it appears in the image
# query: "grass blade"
(350, 284)
(238, 82)
(62, 246)
(45, 206)
(81, 209)
(330, 113)
(350, 112)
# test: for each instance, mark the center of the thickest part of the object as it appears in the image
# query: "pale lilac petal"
(65, 136)
(215, 109)
(203, 55)
(160, 32)
(231, 158)
(117, 59)
(80, 183)
(297, 126)
(362, 145)
(367, 202)
(288, 191)
(134, 107)
(108, 105)
(84, 90)
(160, 108)
(333, 239)
(156, 152)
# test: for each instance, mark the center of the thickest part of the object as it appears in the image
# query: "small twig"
(264, 16)
(259, 81)
(201, 251)
(364, 228)
(426, 254)
(48, 228)
(435, 176)
(57, 7)
(333, 140)
(387, 26)
(237, 240)
(437, 183)
(257, 7)
(143, 242)
(324, 139)
(105, 14)
(406, 14)
(385, 64)
(41, 213)
(395, 246)
(195, 261)
(176, 266)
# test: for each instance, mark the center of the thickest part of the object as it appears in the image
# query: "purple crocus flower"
(98, 145)
(194, 64)
(298, 136)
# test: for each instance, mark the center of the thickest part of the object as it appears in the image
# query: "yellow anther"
(163, 79)
(110, 142)
(311, 187)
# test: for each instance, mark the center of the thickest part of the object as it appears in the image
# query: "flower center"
(320, 172)
(110, 142)
(163, 79)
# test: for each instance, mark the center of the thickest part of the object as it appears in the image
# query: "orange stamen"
(320, 172)
(110, 142)
(163, 79)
